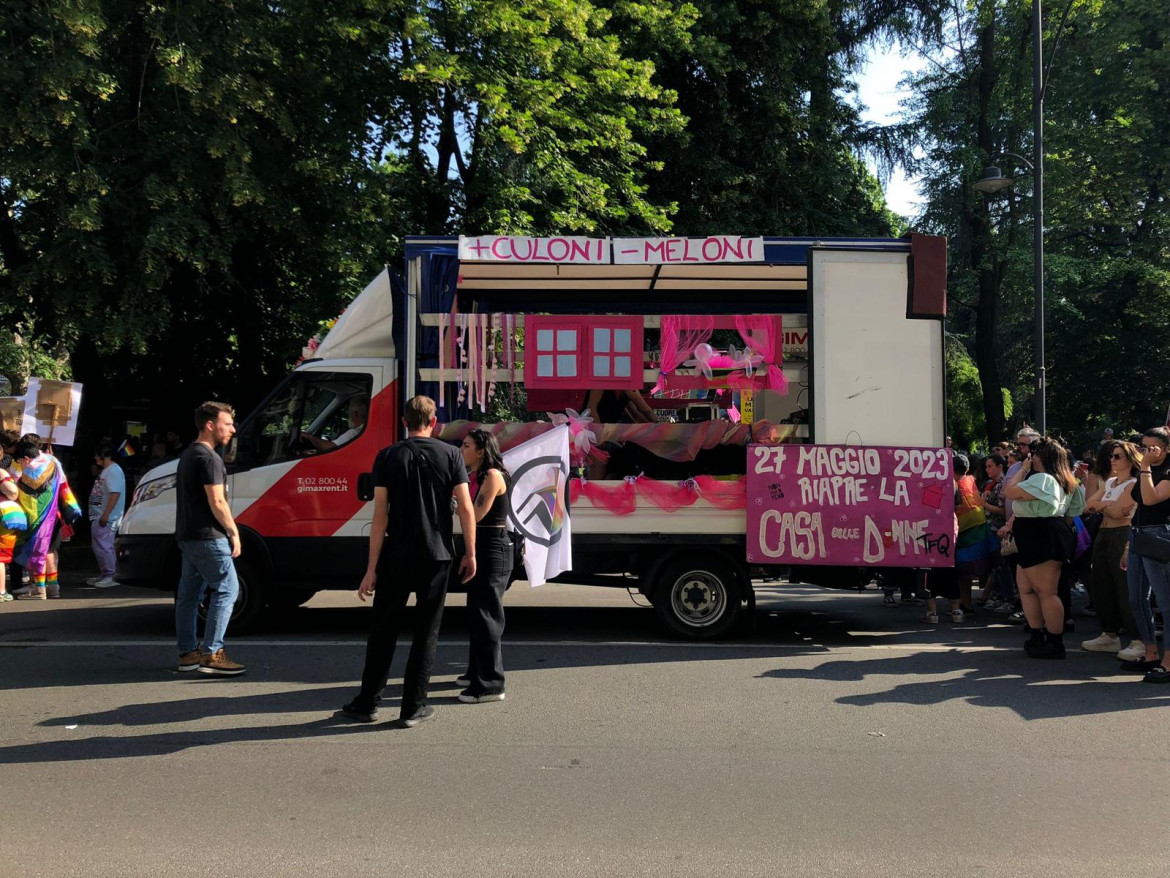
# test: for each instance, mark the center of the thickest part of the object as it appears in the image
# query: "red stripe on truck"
(318, 496)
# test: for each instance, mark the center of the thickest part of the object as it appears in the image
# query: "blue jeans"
(207, 566)
(1145, 574)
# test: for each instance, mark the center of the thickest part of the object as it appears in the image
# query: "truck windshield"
(312, 413)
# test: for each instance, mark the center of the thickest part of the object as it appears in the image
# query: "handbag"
(1152, 541)
(1008, 545)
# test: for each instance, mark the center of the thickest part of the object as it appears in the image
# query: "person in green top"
(1043, 492)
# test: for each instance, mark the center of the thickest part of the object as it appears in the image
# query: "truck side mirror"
(365, 486)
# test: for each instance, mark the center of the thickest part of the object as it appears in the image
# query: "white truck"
(829, 341)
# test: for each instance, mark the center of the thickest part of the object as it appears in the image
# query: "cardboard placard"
(12, 414)
(51, 409)
(54, 402)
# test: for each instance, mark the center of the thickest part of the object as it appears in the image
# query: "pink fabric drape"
(681, 334)
(764, 334)
(621, 498)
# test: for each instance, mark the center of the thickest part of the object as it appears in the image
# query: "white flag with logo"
(539, 498)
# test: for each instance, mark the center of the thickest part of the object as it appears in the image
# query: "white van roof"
(365, 330)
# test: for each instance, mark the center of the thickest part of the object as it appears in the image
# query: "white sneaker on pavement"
(105, 582)
(1135, 652)
(1104, 643)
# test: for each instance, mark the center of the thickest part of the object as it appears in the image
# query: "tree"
(771, 143)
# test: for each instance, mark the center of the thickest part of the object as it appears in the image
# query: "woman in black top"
(484, 680)
(1152, 493)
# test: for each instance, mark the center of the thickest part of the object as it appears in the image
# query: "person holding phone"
(1041, 492)
(1145, 574)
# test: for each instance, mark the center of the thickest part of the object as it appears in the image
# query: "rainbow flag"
(126, 449)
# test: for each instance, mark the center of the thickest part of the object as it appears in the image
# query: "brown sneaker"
(218, 664)
(190, 661)
(33, 594)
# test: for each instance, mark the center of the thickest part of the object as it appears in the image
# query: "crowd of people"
(1033, 527)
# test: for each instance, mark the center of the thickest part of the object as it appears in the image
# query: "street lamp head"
(992, 181)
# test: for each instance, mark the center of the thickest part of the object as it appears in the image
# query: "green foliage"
(1107, 150)
(964, 398)
(187, 190)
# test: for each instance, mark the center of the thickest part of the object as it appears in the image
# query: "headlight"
(154, 488)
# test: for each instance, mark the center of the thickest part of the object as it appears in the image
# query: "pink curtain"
(764, 333)
(681, 334)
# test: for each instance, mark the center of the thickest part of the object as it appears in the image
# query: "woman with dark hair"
(1041, 492)
(1107, 585)
(1152, 494)
(484, 680)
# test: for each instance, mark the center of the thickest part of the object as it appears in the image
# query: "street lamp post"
(993, 181)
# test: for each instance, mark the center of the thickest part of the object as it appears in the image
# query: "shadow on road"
(1084, 685)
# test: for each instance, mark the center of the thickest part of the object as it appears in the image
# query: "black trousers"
(396, 581)
(485, 611)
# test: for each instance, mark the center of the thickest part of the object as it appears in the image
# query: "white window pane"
(544, 366)
(566, 339)
(566, 366)
(621, 367)
(544, 339)
(601, 340)
(601, 367)
(621, 340)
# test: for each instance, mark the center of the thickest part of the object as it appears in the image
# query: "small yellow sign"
(747, 406)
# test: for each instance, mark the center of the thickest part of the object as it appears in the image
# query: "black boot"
(1034, 640)
(1051, 648)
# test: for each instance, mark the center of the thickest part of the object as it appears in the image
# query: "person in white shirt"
(107, 503)
(357, 413)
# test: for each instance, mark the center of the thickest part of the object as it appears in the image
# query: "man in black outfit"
(411, 550)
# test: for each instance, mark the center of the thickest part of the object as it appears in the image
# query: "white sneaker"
(1135, 652)
(93, 580)
(105, 582)
(1104, 643)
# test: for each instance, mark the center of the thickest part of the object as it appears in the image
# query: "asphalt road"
(832, 737)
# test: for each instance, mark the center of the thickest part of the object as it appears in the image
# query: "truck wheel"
(698, 597)
(250, 602)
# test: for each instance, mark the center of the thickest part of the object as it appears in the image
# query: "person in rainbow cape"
(47, 502)
(12, 522)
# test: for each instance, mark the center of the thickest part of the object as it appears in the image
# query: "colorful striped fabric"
(43, 490)
(12, 522)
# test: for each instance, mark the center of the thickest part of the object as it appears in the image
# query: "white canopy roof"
(366, 329)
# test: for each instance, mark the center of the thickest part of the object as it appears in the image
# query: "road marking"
(517, 644)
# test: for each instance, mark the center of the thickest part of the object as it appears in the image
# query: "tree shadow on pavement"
(1083, 685)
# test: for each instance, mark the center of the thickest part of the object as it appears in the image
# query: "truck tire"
(698, 597)
(251, 601)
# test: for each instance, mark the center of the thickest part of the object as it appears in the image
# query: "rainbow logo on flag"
(126, 449)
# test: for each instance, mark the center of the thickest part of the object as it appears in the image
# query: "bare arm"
(1153, 494)
(1012, 489)
(223, 514)
(467, 528)
(1097, 502)
(8, 485)
(377, 537)
(492, 488)
(638, 409)
(110, 504)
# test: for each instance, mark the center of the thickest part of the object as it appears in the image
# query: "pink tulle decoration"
(668, 496)
(722, 494)
(618, 499)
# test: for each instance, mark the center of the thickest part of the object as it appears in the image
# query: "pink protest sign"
(828, 504)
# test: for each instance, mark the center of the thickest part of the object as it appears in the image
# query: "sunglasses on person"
(1117, 457)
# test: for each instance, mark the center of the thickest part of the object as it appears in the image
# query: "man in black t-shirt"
(208, 540)
(411, 550)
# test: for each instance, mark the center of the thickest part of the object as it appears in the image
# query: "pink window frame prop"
(588, 347)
